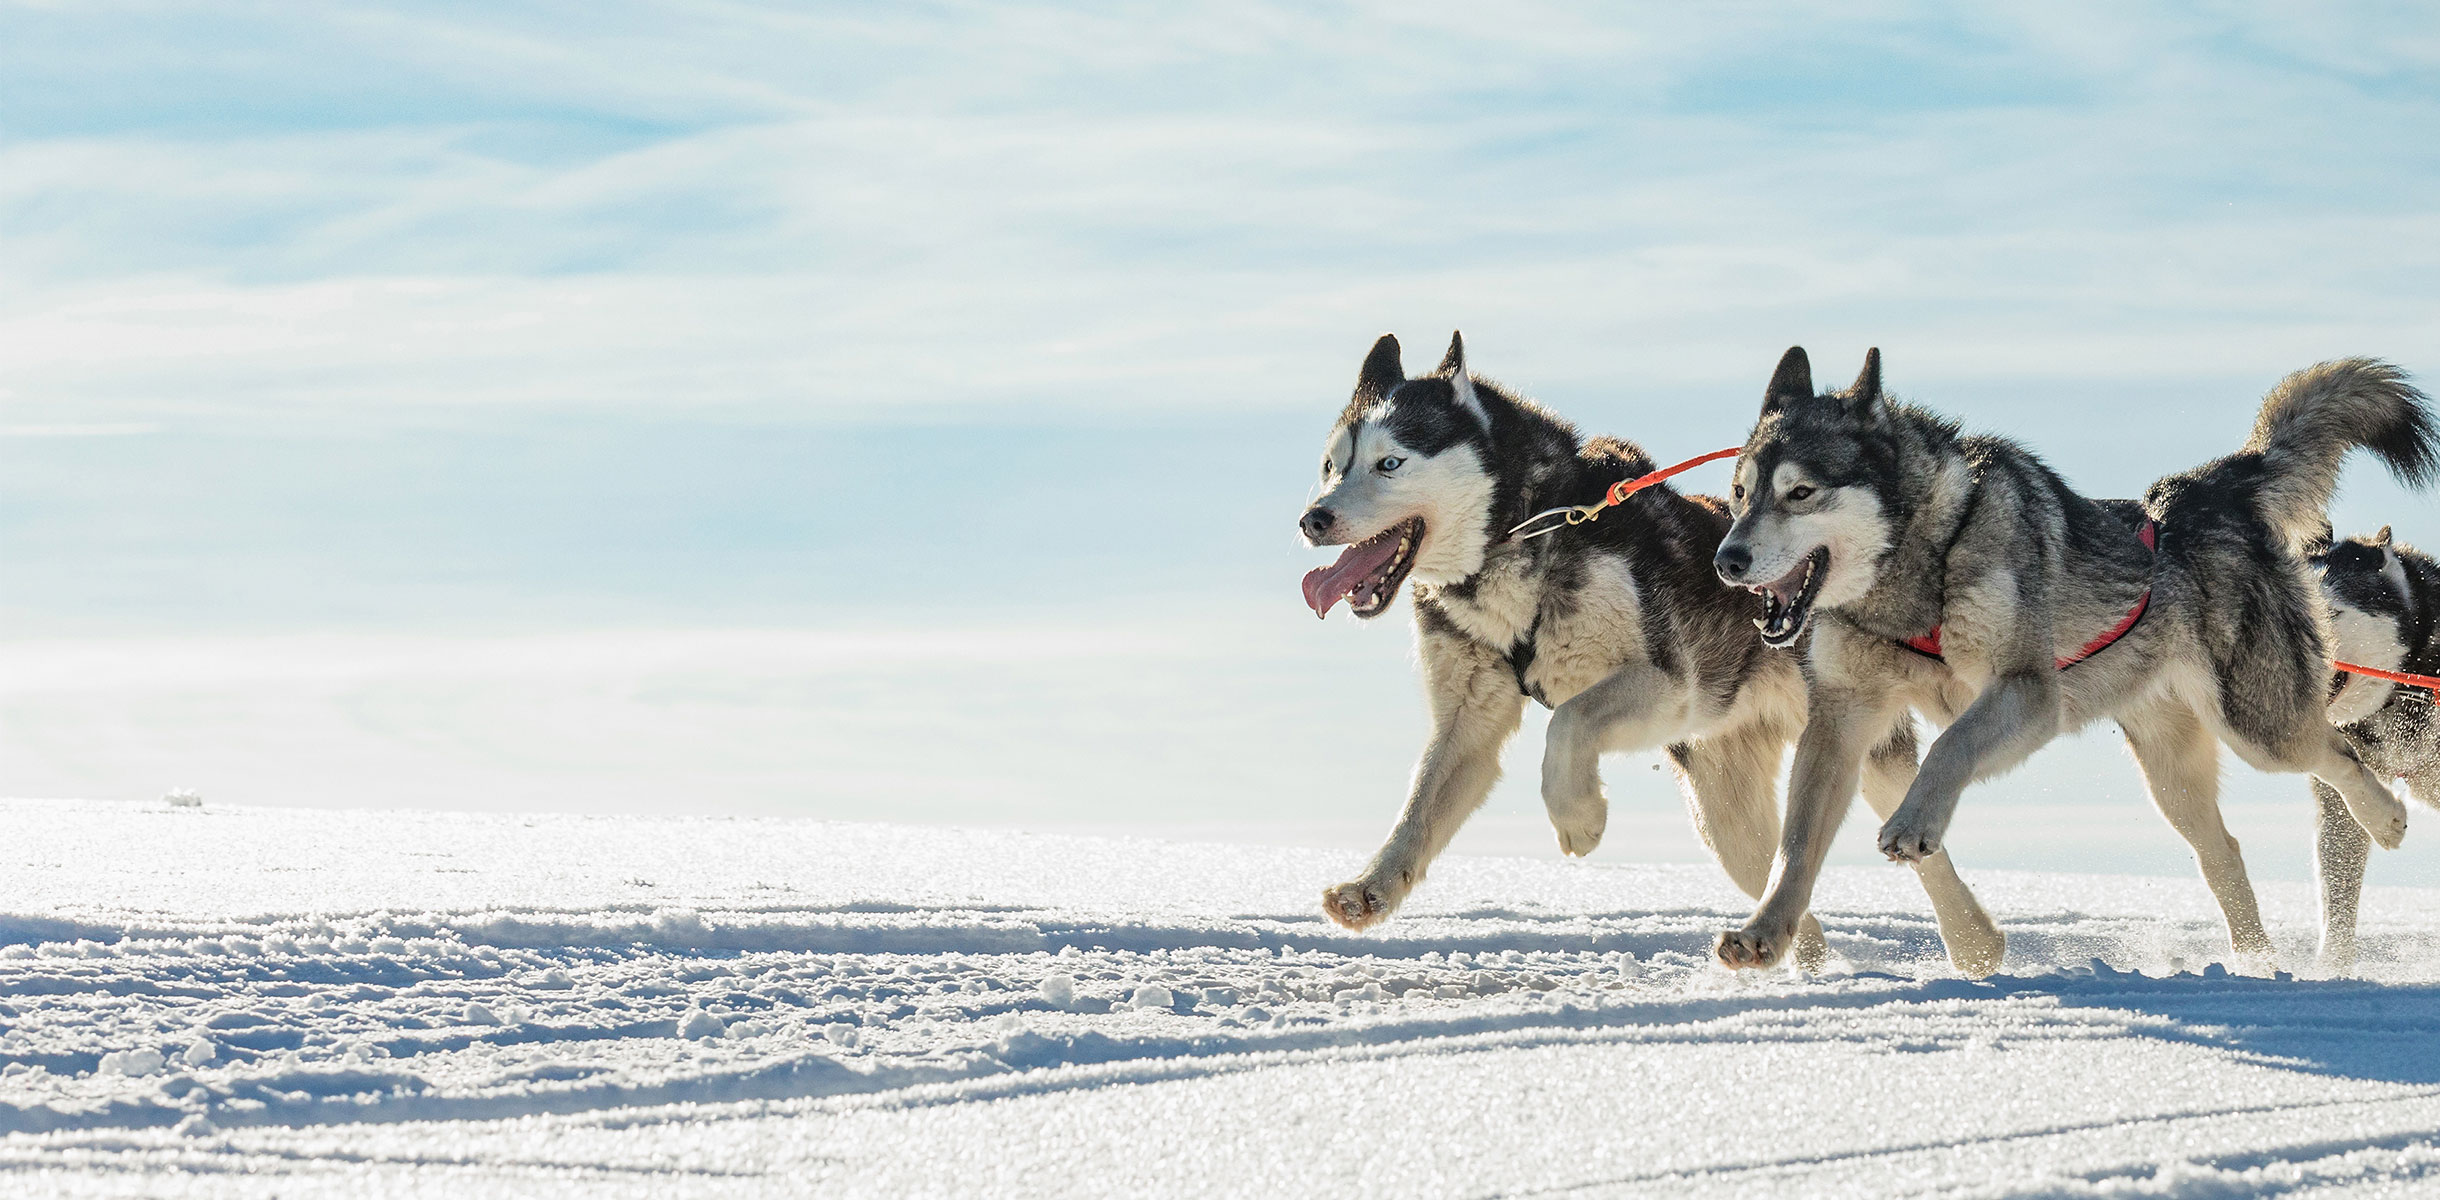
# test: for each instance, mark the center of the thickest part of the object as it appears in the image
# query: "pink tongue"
(1326, 586)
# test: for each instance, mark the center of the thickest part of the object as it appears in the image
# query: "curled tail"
(2315, 416)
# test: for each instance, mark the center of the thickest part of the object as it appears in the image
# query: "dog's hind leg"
(1974, 942)
(2181, 765)
(2340, 847)
(1731, 783)
(1475, 709)
(2340, 850)
(1634, 708)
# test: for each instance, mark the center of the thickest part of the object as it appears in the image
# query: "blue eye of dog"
(1391, 463)
(1799, 492)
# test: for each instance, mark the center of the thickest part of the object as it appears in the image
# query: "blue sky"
(507, 321)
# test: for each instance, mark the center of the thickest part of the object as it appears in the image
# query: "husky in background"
(1958, 575)
(1619, 626)
(2384, 600)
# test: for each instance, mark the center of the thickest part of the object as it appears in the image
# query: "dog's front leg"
(1842, 724)
(1475, 709)
(2013, 717)
(1636, 707)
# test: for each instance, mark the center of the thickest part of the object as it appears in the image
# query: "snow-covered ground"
(215, 1001)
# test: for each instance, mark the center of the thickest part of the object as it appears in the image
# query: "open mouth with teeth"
(1368, 573)
(1787, 602)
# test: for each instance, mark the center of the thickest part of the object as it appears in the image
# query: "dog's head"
(1812, 497)
(2372, 604)
(1404, 484)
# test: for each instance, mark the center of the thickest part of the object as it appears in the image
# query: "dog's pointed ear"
(1382, 372)
(2382, 538)
(1792, 381)
(1864, 395)
(1461, 382)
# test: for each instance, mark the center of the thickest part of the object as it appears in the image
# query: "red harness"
(1928, 645)
(2429, 683)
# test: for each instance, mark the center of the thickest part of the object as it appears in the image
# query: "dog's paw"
(1360, 904)
(1903, 839)
(2385, 820)
(1580, 831)
(1749, 949)
(1579, 817)
(2336, 961)
(1578, 838)
(1975, 948)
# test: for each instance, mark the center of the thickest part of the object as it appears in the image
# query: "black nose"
(1317, 523)
(1732, 562)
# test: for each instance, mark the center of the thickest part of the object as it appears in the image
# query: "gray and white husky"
(1619, 626)
(1959, 576)
(2384, 600)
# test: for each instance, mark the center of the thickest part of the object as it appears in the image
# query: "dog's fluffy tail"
(2315, 416)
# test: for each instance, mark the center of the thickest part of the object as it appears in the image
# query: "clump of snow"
(697, 1023)
(1058, 991)
(201, 1052)
(1152, 995)
(679, 923)
(133, 1063)
(183, 798)
(478, 1013)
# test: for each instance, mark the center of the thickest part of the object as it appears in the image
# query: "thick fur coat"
(1881, 528)
(1620, 626)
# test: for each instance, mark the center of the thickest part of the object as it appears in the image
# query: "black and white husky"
(2384, 600)
(1619, 626)
(1959, 576)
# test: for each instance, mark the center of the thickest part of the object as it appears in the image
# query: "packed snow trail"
(209, 1001)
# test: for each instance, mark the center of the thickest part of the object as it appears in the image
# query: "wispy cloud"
(981, 206)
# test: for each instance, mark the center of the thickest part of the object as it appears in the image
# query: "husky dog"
(1620, 627)
(1959, 576)
(2384, 603)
